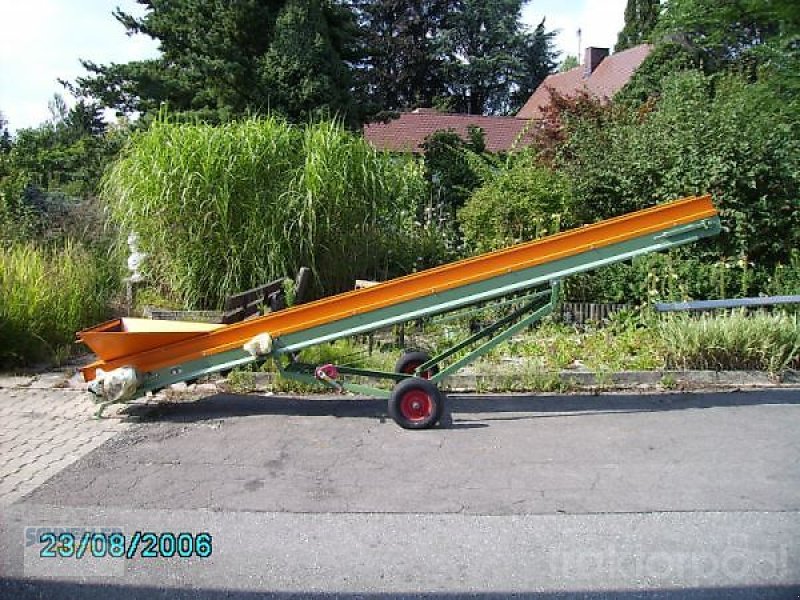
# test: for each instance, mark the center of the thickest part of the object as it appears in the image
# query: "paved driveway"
(663, 496)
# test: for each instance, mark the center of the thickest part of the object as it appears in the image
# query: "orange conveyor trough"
(150, 346)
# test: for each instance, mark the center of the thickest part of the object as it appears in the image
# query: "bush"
(677, 275)
(718, 134)
(737, 340)
(222, 209)
(523, 202)
(785, 278)
(45, 297)
(456, 167)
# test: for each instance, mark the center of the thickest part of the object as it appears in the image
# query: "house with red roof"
(601, 75)
(408, 132)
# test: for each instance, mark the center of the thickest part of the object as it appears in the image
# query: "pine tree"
(641, 17)
(493, 62)
(222, 59)
(402, 66)
(539, 59)
(302, 73)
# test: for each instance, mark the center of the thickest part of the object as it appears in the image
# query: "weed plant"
(46, 295)
(733, 341)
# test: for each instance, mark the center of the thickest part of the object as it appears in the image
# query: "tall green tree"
(221, 59)
(539, 58)
(490, 56)
(402, 66)
(641, 17)
(303, 72)
(728, 33)
(66, 154)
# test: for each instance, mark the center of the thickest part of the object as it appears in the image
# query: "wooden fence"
(580, 313)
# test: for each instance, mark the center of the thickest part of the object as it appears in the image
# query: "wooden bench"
(244, 305)
(248, 304)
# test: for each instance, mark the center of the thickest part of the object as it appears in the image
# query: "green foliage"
(641, 17)
(569, 63)
(66, 154)
(727, 33)
(302, 70)
(222, 209)
(225, 59)
(734, 341)
(469, 56)
(646, 83)
(454, 166)
(621, 346)
(45, 297)
(49, 174)
(520, 203)
(488, 54)
(785, 279)
(241, 381)
(706, 134)
(677, 275)
(402, 64)
(538, 60)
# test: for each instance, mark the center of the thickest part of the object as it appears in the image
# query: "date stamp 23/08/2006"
(65, 551)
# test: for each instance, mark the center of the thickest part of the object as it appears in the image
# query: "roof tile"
(608, 78)
(408, 132)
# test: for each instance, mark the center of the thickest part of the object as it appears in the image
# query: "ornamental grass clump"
(220, 209)
(46, 295)
(734, 341)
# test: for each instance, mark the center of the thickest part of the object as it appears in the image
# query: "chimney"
(594, 56)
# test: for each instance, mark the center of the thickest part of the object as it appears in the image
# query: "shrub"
(523, 202)
(737, 340)
(222, 209)
(454, 166)
(45, 297)
(785, 278)
(718, 134)
(676, 275)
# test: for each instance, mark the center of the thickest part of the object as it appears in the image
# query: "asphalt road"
(663, 496)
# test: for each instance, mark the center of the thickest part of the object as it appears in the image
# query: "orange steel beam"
(403, 289)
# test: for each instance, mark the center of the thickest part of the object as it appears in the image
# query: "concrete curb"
(564, 381)
(591, 381)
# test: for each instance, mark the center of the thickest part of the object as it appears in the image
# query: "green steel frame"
(532, 311)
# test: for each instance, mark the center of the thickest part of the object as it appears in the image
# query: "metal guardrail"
(700, 305)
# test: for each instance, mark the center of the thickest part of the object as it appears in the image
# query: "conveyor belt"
(151, 348)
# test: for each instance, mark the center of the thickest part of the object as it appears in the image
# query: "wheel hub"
(416, 405)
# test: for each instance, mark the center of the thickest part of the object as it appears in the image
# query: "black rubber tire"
(409, 361)
(416, 404)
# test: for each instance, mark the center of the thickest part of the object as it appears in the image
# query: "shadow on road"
(21, 589)
(490, 407)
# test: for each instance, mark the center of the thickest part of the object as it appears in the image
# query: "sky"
(43, 40)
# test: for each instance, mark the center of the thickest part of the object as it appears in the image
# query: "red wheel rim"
(413, 366)
(416, 405)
